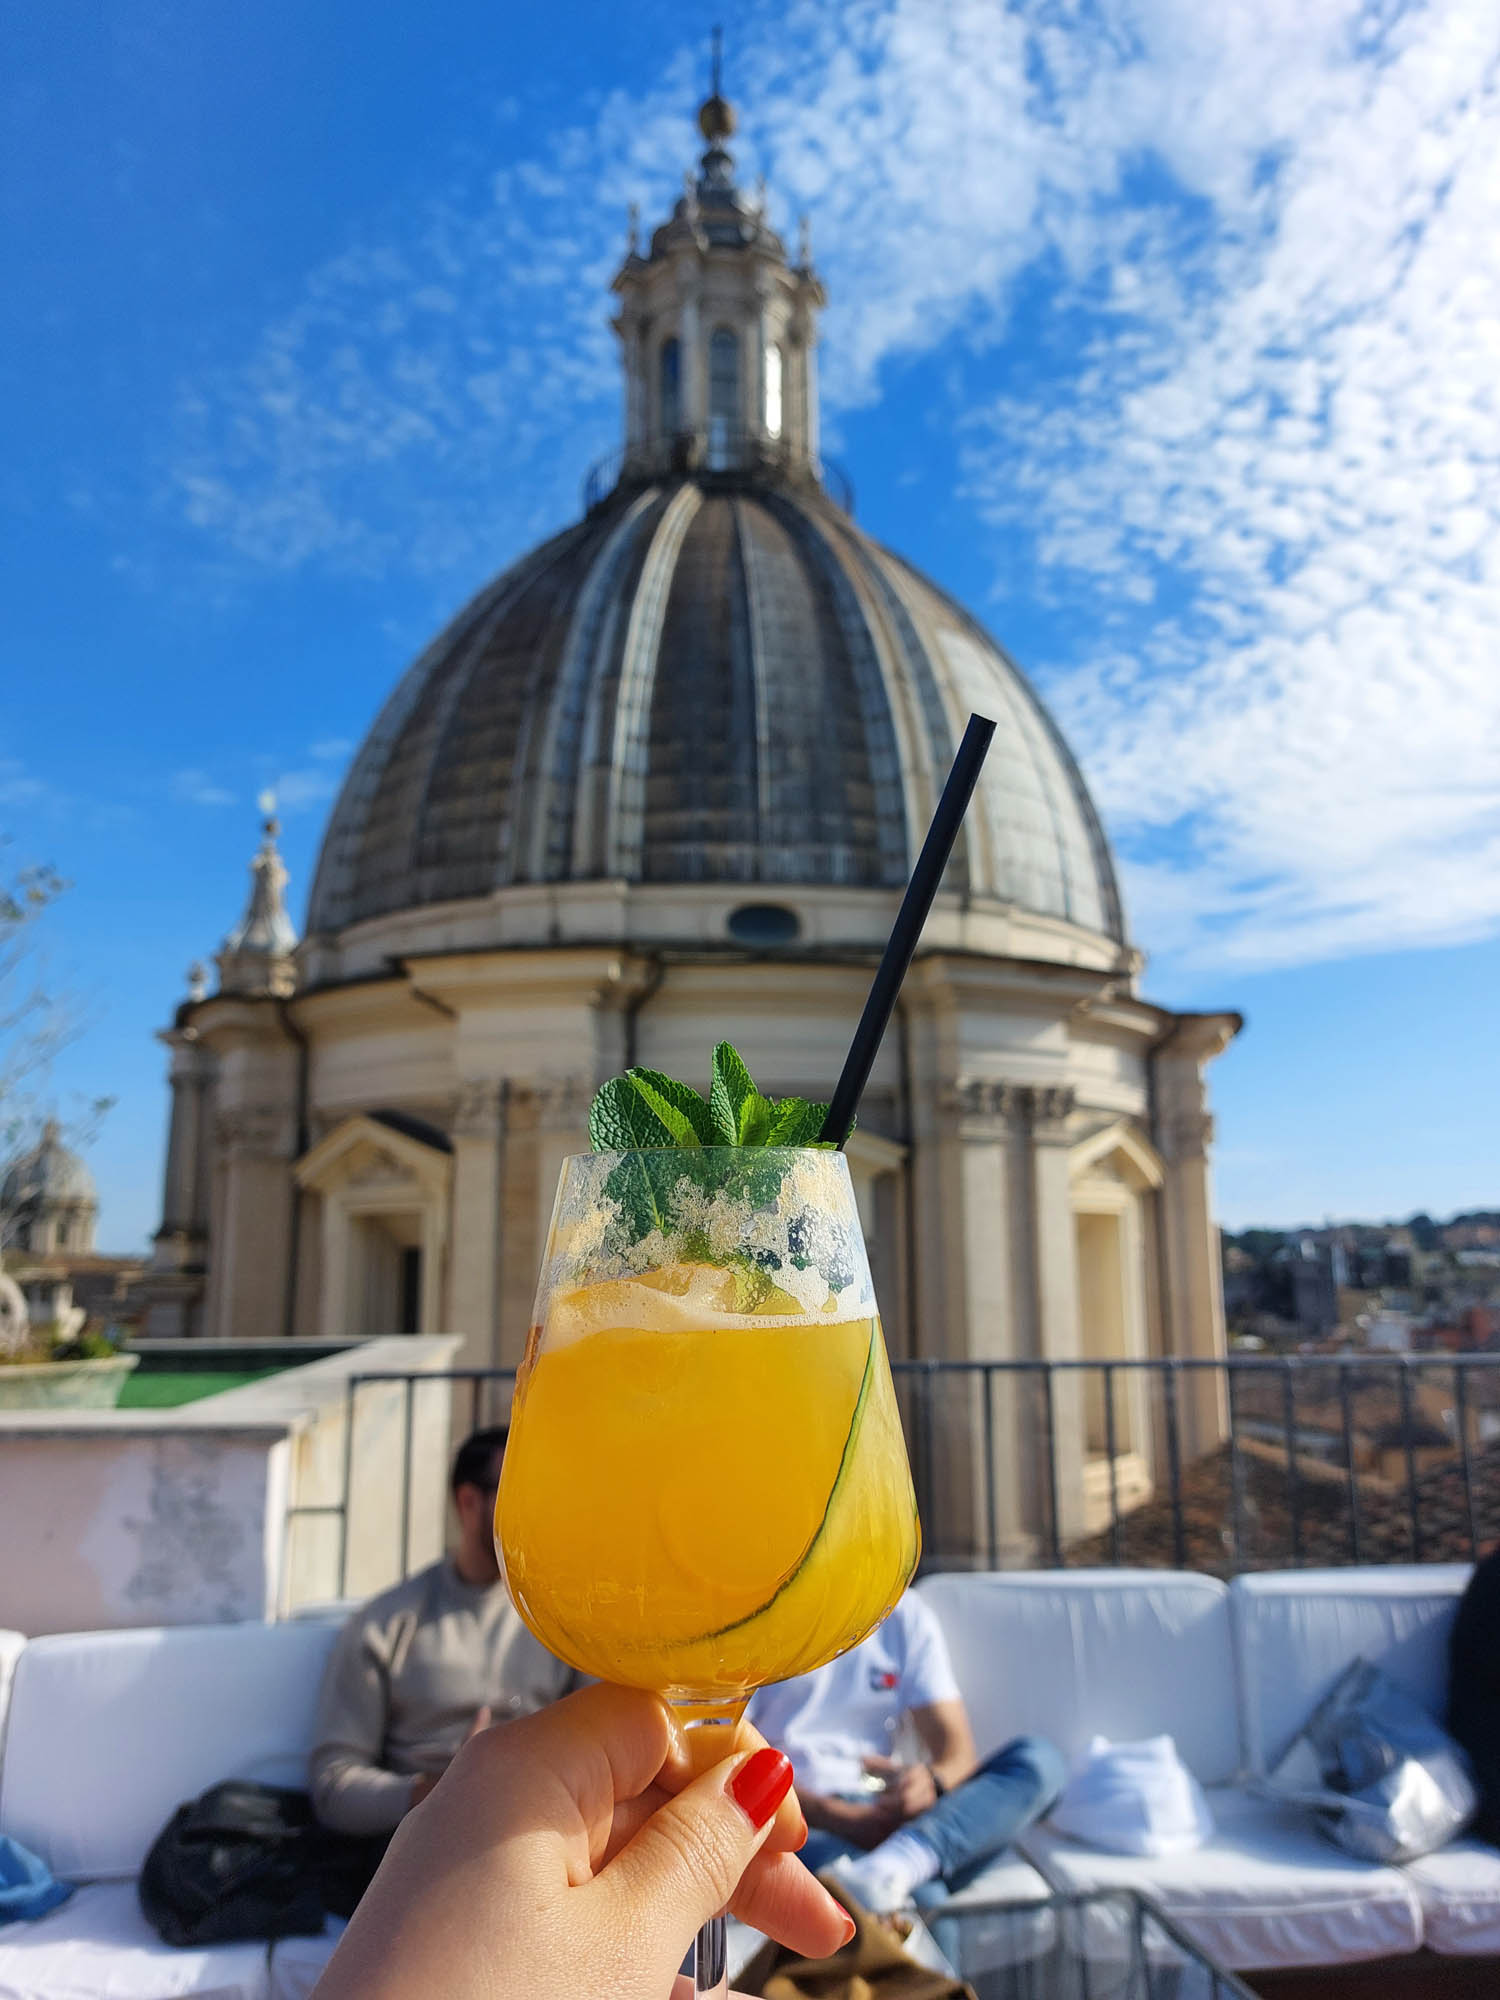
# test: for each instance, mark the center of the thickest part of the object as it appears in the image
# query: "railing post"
(1049, 1414)
(1170, 1379)
(1293, 1490)
(991, 1529)
(352, 1385)
(1413, 1496)
(1351, 1474)
(406, 1471)
(1236, 1474)
(1461, 1414)
(1111, 1454)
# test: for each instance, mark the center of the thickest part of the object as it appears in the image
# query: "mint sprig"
(643, 1110)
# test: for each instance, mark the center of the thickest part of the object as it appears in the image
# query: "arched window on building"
(723, 395)
(671, 388)
(773, 391)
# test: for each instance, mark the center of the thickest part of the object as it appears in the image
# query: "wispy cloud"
(1275, 478)
(1249, 454)
(197, 788)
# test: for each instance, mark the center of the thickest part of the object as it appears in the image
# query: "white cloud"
(1264, 487)
(197, 788)
(1294, 441)
(333, 748)
(297, 790)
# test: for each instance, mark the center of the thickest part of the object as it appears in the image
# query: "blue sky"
(1168, 337)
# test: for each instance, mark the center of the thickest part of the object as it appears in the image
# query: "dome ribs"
(548, 791)
(717, 679)
(620, 833)
(340, 895)
(877, 802)
(935, 733)
(1046, 848)
(466, 818)
(700, 808)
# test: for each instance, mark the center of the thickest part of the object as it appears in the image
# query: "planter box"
(65, 1385)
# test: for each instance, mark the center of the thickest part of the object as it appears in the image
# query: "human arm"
(574, 1853)
(942, 1729)
(351, 1790)
(863, 1822)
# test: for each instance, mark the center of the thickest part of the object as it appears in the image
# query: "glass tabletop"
(1112, 1946)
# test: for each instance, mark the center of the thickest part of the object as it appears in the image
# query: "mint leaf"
(797, 1122)
(677, 1105)
(733, 1088)
(621, 1119)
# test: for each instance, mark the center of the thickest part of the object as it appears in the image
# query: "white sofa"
(108, 1732)
(1230, 1674)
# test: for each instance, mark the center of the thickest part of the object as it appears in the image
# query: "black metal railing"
(1251, 1462)
(716, 454)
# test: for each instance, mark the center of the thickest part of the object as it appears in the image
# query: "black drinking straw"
(910, 918)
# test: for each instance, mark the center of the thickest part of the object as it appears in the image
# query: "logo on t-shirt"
(882, 1683)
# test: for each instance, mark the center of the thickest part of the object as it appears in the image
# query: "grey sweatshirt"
(407, 1676)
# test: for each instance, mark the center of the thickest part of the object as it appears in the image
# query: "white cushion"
(1295, 1631)
(297, 1963)
(1075, 1654)
(1268, 1890)
(1459, 1890)
(1006, 1879)
(111, 1731)
(98, 1946)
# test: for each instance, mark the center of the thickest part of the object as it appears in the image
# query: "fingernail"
(760, 1784)
(850, 1927)
(802, 1836)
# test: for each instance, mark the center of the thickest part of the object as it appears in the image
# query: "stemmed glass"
(706, 1486)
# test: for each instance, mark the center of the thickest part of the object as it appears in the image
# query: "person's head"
(475, 1481)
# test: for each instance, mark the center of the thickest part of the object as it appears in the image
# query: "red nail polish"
(760, 1784)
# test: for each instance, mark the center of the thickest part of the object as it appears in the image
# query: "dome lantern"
(718, 332)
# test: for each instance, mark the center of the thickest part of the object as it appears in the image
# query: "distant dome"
(716, 678)
(47, 1174)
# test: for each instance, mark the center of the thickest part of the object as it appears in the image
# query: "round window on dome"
(764, 924)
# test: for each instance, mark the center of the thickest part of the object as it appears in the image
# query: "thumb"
(684, 1865)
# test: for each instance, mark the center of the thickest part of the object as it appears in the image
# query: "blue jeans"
(977, 1820)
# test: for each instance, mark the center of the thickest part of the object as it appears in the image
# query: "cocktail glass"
(706, 1487)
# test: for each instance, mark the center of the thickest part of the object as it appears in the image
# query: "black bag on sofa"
(241, 1863)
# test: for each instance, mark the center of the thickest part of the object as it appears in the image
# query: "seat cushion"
(1009, 1878)
(1459, 1890)
(98, 1946)
(1267, 1891)
(111, 1731)
(297, 1963)
(1074, 1654)
(1295, 1631)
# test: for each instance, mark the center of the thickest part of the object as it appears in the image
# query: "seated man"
(896, 1833)
(424, 1666)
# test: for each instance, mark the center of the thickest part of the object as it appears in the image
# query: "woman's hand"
(573, 1856)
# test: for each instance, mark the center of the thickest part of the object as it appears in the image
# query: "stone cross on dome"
(718, 329)
(256, 957)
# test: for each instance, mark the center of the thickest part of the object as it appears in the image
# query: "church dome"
(46, 1175)
(712, 678)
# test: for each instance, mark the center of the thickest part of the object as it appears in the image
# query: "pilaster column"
(177, 1277)
(474, 1287)
(1194, 1305)
(1045, 1113)
(255, 1143)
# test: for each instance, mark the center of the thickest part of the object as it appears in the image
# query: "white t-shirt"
(830, 1720)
